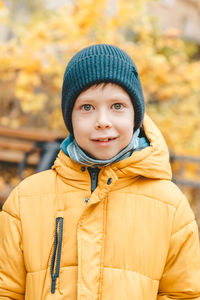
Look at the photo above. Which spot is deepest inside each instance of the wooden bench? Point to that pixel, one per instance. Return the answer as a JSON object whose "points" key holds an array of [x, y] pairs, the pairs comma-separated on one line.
{"points": [[14, 146], [14, 143]]}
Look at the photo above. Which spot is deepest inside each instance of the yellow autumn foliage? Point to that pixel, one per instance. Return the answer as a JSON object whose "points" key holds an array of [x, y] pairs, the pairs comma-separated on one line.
{"points": [[33, 60]]}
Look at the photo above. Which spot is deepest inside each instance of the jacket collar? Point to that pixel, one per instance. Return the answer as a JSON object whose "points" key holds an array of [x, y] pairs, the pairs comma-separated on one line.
{"points": [[151, 162]]}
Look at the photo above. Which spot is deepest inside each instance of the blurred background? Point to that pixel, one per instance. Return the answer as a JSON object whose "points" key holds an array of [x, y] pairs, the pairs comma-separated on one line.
{"points": [[37, 39]]}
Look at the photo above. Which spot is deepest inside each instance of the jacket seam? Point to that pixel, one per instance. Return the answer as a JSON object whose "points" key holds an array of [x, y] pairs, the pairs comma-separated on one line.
{"points": [[111, 268], [189, 223], [103, 249], [38, 271], [175, 213], [164, 202], [50, 193], [142, 195], [15, 217]]}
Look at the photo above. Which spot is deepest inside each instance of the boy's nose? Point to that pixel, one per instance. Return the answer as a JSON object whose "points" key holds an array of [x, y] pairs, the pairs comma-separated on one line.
{"points": [[103, 122]]}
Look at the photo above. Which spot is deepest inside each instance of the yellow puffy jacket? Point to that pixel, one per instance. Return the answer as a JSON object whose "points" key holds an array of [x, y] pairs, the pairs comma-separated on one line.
{"points": [[135, 238]]}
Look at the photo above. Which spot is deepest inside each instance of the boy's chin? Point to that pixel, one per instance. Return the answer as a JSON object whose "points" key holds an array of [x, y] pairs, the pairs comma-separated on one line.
{"points": [[100, 156]]}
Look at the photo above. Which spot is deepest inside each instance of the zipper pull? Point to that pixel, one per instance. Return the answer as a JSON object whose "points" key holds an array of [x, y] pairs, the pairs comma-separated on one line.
{"points": [[53, 283]]}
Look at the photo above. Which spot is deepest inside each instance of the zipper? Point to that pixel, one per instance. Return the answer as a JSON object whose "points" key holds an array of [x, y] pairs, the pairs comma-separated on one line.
{"points": [[94, 172], [56, 257]]}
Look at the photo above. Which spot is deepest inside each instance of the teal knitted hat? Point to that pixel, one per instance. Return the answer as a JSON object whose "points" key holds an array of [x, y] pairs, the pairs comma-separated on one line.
{"points": [[96, 64]]}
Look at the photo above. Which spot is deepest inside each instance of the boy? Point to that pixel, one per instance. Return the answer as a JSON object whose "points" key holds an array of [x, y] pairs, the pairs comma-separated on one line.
{"points": [[106, 222]]}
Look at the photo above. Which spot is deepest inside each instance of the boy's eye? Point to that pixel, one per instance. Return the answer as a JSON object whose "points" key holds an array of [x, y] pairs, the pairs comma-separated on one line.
{"points": [[87, 107], [117, 106]]}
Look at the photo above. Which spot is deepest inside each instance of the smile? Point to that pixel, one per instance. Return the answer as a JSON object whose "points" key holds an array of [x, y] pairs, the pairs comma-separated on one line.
{"points": [[104, 139]]}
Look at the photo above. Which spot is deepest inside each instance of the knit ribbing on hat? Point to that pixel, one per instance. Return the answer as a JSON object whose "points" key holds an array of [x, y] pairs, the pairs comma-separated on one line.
{"points": [[97, 64]]}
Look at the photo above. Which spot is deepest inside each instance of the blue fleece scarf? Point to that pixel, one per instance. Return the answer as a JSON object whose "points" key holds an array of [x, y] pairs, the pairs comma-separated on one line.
{"points": [[70, 147]]}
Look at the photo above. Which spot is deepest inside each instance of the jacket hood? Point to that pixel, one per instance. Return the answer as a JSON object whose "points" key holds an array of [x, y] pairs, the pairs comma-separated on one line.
{"points": [[151, 162]]}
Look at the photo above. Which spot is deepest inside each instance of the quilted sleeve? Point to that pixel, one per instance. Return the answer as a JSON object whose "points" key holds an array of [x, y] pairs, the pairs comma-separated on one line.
{"points": [[12, 269], [181, 275]]}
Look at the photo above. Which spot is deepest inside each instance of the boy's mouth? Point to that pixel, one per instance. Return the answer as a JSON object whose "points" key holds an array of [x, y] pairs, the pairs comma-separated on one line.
{"points": [[104, 139]]}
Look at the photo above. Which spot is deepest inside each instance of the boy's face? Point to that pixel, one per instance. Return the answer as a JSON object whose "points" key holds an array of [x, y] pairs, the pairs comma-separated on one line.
{"points": [[103, 120]]}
